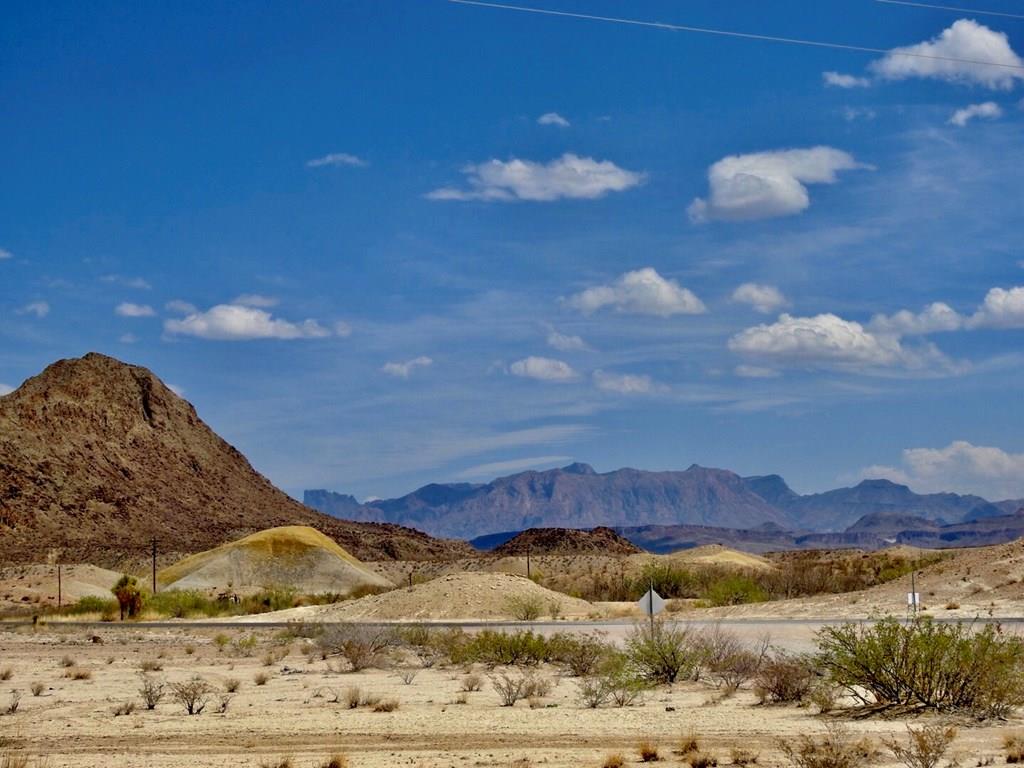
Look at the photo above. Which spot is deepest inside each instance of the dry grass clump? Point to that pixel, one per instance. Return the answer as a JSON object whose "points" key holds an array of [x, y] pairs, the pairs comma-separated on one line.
{"points": [[37, 688], [386, 705], [648, 751], [67, 661], [232, 684], [12, 704], [284, 762], [78, 673], [739, 756], [836, 749], [336, 761], [151, 665], [192, 694], [472, 682], [1013, 745], [689, 744], [126, 708], [6, 673], [614, 760], [260, 678], [509, 689], [702, 760]]}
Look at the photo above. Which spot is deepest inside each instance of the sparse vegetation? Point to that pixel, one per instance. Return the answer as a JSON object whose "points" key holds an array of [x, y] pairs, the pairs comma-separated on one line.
{"points": [[128, 595], [1013, 747], [192, 694], [926, 746], [648, 751], [525, 607], [232, 684], [661, 653], [12, 703], [151, 690], [472, 682], [386, 705], [37, 688], [785, 679], [836, 749], [261, 678], [614, 760], [361, 646], [509, 689]]}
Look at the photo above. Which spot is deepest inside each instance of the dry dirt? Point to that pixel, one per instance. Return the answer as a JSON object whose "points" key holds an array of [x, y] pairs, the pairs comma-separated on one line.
{"points": [[71, 724]]}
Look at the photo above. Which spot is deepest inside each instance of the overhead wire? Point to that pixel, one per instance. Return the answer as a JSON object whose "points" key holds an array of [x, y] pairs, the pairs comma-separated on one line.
{"points": [[732, 33], [953, 9]]}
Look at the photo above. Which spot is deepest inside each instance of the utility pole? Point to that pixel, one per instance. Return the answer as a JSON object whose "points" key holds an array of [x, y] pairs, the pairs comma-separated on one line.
{"points": [[913, 592], [154, 565], [59, 591], [528, 561]]}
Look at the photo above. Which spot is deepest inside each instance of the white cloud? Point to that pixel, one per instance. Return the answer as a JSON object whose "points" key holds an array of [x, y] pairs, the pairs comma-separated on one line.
{"points": [[402, 370], [336, 159], [765, 185], [987, 110], [624, 383], [5, 254], [180, 307], [960, 466], [829, 340], [127, 309], [852, 114], [127, 282], [569, 176], [256, 300], [128, 338], [502, 468], [755, 372], [640, 292], [553, 118], [542, 369], [934, 318], [342, 329], [37, 308], [763, 298], [841, 80], [1002, 308], [231, 322], [5, 389], [566, 343], [965, 40]]}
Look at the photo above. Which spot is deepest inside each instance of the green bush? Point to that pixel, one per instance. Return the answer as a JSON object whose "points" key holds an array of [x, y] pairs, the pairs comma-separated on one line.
{"points": [[662, 653], [92, 604], [928, 665], [734, 589]]}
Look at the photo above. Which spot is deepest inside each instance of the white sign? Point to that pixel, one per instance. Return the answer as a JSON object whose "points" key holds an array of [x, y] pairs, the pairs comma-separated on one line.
{"points": [[914, 599], [652, 603]]}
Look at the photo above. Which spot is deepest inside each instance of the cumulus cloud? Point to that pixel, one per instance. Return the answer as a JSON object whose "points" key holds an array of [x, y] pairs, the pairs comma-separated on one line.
{"points": [[232, 322], [1002, 308], [624, 383], [841, 80], [402, 370], [950, 57], [336, 159], [565, 342], [5, 389], [987, 110], [763, 298], [553, 118], [542, 369], [934, 318], [765, 185], [256, 300], [37, 308], [755, 372], [960, 466], [829, 340], [640, 292], [568, 176], [127, 309]]}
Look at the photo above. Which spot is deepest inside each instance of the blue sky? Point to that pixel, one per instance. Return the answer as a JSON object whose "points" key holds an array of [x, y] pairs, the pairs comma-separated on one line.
{"points": [[379, 244]]}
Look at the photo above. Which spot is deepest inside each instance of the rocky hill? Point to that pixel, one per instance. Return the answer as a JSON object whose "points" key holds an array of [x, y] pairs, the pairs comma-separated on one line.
{"points": [[567, 541], [97, 457]]}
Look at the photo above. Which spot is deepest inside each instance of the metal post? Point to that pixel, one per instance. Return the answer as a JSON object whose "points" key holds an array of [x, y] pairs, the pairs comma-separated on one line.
{"points": [[650, 605], [60, 595], [913, 592], [154, 565], [528, 561]]}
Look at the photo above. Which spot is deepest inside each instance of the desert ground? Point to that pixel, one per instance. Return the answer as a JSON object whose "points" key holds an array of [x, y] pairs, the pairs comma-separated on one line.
{"points": [[300, 712]]}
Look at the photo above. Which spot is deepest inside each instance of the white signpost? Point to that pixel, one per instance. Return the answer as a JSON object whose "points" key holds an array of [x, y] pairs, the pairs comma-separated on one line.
{"points": [[652, 604]]}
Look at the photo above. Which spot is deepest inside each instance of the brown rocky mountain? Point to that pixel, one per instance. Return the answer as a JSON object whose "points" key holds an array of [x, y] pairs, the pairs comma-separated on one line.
{"points": [[567, 541], [97, 457]]}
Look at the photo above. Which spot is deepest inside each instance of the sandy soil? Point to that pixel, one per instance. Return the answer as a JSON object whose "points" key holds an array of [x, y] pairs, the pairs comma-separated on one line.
{"points": [[72, 722]]}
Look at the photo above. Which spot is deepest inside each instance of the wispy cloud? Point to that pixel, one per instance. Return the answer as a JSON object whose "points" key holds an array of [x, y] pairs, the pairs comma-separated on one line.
{"points": [[625, 383], [402, 370], [256, 300], [567, 177], [127, 309], [337, 159], [127, 282], [840, 80], [566, 342], [553, 118], [987, 110], [37, 308], [501, 468], [5, 254]]}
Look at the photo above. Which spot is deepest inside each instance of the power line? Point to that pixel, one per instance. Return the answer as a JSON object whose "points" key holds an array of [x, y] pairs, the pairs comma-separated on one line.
{"points": [[954, 9], [730, 33]]}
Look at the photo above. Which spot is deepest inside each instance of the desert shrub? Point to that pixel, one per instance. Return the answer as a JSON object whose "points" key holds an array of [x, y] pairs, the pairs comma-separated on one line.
{"points": [[361, 646], [614, 760], [615, 680], [232, 684], [662, 653], [525, 607], [12, 703], [126, 708], [537, 687], [580, 654], [243, 646], [6, 673], [193, 694], [785, 679], [386, 705], [221, 641], [261, 678], [471, 682], [78, 673], [91, 604], [735, 589], [740, 756], [223, 702], [407, 676], [1013, 746], [925, 747], [128, 595], [335, 761], [702, 760], [648, 751], [37, 688], [729, 662], [507, 648], [67, 661], [593, 691], [353, 697], [689, 744], [836, 749], [509, 689], [925, 664], [151, 690], [284, 762], [15, 760], [151, 665]]}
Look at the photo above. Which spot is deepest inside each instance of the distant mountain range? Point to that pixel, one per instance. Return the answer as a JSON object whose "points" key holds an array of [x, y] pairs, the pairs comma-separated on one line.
{"points": [[699, 497]]}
